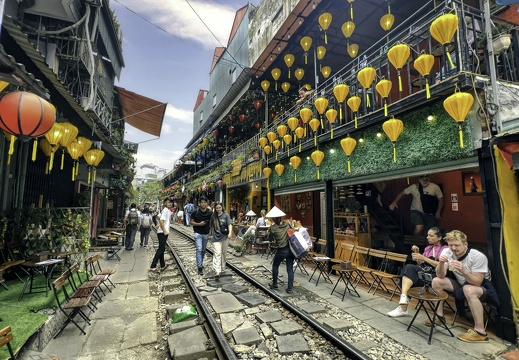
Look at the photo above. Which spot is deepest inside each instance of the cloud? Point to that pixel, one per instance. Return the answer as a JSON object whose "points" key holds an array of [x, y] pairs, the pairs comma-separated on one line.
{"points": [[179, 19]]}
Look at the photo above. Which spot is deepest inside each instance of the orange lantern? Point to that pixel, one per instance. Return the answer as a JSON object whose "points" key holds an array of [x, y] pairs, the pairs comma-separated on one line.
{"points": [[325, 19], [276, 73], [314, 124], [397, 56], [317, 157], [285, 86], [299, 134], [289, 60], [262, 141], [348, 144], [292, 123], [321, 104], [423, 64], [393, 128], [458, 106], [442, 30], [354, 104], [306, 43], [271, 135], [347, 29], [383, 88], [331, 115], [295, 161], [366, 76], [341, 91], [353, 50]]}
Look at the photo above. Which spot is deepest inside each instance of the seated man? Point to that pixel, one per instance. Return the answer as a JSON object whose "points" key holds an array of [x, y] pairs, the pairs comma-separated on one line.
{"points": [[470, 268]]}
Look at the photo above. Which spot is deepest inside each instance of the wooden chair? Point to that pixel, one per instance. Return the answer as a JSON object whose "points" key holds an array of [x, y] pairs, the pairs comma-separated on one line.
{"points": [[70, 307], [338, 259], [6, 336], [346, 275], [375, 254], [380, 275], [361, 261], [98, 273], [83, 288]]}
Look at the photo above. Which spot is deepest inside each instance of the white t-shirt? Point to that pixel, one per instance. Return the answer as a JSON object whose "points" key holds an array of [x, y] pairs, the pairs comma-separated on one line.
{"points": [[128, 213], [165, 216], [430, 189], [475, 261]]}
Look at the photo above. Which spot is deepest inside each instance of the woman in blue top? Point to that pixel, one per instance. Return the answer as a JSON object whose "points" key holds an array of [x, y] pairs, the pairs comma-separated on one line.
{"points": [[220, 222]]}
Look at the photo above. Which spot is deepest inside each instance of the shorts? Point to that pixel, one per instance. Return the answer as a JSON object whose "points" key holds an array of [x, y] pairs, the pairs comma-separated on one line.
{"points": [[427, 220]]}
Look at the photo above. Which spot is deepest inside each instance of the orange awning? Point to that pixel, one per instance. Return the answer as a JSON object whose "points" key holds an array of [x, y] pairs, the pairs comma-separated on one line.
{"points": [[142, 112]]}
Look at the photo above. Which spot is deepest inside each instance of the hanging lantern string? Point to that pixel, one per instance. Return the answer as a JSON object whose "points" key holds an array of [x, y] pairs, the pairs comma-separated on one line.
{"points": [[349, 165], [34, 149]]}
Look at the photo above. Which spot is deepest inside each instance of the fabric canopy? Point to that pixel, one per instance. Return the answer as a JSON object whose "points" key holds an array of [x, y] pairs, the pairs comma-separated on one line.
{"points": [[141, 112]]}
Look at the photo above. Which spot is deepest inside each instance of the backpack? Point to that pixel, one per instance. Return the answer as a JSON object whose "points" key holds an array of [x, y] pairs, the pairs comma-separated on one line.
{"points": [[429, 202], [190, 208], [146, 221], [133, 217]]}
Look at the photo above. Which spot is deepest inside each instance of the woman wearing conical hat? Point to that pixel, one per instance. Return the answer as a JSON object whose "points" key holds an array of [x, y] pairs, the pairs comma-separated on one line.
{"points": [[279, 237]]}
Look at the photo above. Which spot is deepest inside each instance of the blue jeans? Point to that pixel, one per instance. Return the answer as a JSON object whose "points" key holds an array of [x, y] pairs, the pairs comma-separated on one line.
{"points": [[201, 245], [131, 231], [283, 254]]}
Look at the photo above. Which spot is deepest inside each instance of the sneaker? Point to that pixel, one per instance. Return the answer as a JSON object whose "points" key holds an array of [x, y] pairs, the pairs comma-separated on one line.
{"points": [[200, 271], [404, 300], [437, 321], [473, 336], [398, 312], [273, 286], [289, 291]]}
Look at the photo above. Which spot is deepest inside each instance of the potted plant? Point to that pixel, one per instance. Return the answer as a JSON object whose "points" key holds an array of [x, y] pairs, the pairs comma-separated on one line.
{"points": [[501, 38]]}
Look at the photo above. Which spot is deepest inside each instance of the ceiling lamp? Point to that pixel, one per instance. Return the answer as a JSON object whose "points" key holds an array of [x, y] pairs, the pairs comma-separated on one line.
{"points": [[398, 56], [393, 128], [289, 60], [353, 50], [383, 88], [348, 144], [331, 115], [366, 76], [306, 43], [295, 161], [317, 157], [423, 64], [341, 91], [354, 104], [325, 19], [458, 106], [276, 73], [442, 30]]}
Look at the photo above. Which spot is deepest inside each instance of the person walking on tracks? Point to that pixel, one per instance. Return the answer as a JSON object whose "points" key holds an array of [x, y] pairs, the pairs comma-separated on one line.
{"points": [[201, 220], [146, 222], [162, 235], [132, 221], [220, 223], [279, 236]]}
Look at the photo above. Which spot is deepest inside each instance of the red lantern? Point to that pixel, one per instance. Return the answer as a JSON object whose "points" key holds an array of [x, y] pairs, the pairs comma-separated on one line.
{"points": [[272, 115], [242, 118], [257, 125], [215, 133], [26, 114], [231, 129], [257, 104]]}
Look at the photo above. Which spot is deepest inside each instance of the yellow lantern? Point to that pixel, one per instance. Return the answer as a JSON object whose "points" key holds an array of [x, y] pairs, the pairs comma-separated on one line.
{"points": [[458, 106], [11, 138], [305, 114], [265, 84], [99, 155], [292, 122], [321, 104], [397, 56], [393, 128], [423, 64], [321, 51], [205, 141], [69, 134], [276, 143], [295, 161], [285, 86], [280, 168], [267, 171], [282, 130], [74, 150], [267, 149], [289, 60], [325, 19], [366, 76], [271, 135], [262, 141], [54, 136], [306, 43], [351, 8], [340, 91], [85, 144], [331, 115], [354, 104], [347, 29], [90, 158], [442, 30], [299, 74], [353, 50], [276, 73], [386, 21], [317, 157], [383, 88], [299, 134], [326, 71], [348, 144], [287, 138], [314, 124]]}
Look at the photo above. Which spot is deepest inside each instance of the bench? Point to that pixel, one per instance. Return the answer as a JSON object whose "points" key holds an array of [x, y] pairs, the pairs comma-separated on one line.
{"points": [[5, 339]]}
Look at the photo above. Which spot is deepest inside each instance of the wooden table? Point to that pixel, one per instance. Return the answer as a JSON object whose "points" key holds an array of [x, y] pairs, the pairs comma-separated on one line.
{"points": [[426, 296], [321, 266], [46, 266]]}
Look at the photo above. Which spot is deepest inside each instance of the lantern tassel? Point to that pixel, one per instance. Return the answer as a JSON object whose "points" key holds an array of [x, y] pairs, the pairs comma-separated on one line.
{"points": [[9, 159], [399, 82], [88, 177], [289, 73], [288, 150], [340, 111], [349, 165], [315, 140], [332, 133], [385, 108], [47, 168], [394, 153], [73, 173], [77, 168], [95, 174], [34, 149], [461, 137], [318, 174], [299, 145], [450, 60], [276, 86], [11, 145], [322, 123], [351, 12], [295, 177], [51, 160], [276, 154], [62, 159], [355, 121], [306, 58], [427, 92], [325, 38], [368, 104]]}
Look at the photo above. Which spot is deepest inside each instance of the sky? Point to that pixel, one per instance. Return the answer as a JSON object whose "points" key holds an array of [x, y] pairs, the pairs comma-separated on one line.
{"points": [[170, 66]]}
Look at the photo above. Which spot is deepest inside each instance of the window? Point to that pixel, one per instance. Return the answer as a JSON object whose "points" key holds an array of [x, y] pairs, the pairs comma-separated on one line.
{"points": [[233, 75], [201, 116], [214, 100]]}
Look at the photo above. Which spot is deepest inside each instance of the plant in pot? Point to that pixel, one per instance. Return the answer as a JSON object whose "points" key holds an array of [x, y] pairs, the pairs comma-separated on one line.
{"points": [[248, 239], [501, 38]]}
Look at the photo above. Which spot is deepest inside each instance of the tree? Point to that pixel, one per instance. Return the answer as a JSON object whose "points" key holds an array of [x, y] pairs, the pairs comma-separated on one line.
{"points": [[148, 192]]}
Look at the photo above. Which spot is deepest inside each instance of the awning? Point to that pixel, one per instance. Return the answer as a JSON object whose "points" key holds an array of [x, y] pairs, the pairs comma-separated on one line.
{"points": [[141, 112]]}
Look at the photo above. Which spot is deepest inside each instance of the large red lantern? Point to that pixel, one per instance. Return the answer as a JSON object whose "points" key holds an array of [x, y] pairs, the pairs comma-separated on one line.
{"points": [[26, 114], [257, 125], [215, 133], [242, 118], [257, 104], [231, 129]]}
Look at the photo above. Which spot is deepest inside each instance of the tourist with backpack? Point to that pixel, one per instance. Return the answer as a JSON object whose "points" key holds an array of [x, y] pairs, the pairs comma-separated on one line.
{"points": [[188, 210], [132, 221], [201, 221], [146, 222]]}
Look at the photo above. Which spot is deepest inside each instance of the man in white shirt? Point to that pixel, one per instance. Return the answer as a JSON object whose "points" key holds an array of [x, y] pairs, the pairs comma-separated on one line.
{"points": [[162, 235]]}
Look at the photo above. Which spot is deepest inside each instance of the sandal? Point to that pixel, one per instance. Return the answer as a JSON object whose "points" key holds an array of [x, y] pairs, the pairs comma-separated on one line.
{"points": [[153, 269]]}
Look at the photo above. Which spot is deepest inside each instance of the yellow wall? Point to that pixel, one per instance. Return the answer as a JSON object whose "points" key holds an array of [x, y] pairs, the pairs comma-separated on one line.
{"points": [[508, 189]]}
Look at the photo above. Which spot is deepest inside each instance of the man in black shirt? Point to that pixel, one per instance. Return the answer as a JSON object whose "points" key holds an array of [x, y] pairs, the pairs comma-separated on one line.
{"points": [[200, 219]]}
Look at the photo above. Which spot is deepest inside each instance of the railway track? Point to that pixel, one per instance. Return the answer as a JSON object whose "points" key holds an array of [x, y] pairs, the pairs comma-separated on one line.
{"points": [[272, 327]]}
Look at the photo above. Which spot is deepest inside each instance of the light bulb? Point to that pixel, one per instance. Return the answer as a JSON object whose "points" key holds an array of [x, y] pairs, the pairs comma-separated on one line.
{"points": [[332, 151], [361, 140], [279, 48], [288, 36], [300, 21], [379, 135]]}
